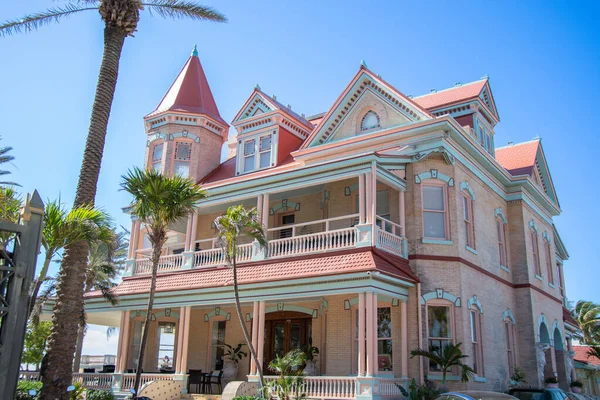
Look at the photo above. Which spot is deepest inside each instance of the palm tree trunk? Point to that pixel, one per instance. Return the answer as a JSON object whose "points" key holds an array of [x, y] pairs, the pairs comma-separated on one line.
{"points": [[79, 348], [238, 308], [69, 302], [38, 284], [138, 373]]}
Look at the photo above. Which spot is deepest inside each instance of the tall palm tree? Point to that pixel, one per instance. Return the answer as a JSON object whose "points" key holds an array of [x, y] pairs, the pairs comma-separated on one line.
{"points": [[6, 158], [450, 356], [231, 227], [62, 227], [587, 315], [10, 211], [158, 201], [105, 263], [120, 19]]}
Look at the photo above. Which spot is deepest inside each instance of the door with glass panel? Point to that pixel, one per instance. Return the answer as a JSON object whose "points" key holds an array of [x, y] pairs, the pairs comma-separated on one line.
{"points": [[285, 331]]}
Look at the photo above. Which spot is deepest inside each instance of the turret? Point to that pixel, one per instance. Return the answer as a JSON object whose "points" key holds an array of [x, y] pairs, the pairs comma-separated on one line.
{"points": [[186, 132]]}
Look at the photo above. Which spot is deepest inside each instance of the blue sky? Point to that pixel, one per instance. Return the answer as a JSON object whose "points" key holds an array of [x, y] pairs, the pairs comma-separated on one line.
{"points": [[543, 59]]}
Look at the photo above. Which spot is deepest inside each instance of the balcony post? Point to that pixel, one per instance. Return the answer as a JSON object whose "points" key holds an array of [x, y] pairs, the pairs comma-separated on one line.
{"points": [[361, 334], [183, 335], [190, 238], [255, 316], [361, 199], [123, 344], [194, 231], [402, 215], [133, 245], [265, 211], [188, 233], [375, 335], [404, 338], [373, 209]]}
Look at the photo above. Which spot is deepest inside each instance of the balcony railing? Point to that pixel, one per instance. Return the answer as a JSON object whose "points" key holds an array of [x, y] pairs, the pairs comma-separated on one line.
{"points": [[319, 236], [326, 387]]}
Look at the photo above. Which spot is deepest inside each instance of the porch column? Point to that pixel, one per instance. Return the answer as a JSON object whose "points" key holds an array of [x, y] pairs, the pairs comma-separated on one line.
{"points": [[261, 333], [188, 233], [186, 338], [404, 338], [370, 339], [255, 322], [570, 351], [375, 341], [133, 240], [180, 330], [369, 199], [402, 214], [265, 211], [194, 231], [123, 343], [361, 334], [361, 199], [373, 209]]}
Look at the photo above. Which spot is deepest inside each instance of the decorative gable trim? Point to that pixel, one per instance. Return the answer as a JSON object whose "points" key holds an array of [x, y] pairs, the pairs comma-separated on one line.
{"points": [[434, 174], [171, 137], [422, 155]]}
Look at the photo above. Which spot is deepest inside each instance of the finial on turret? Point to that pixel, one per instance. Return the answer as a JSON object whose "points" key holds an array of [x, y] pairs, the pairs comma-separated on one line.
{"points": [[195, 51], [363, 64]]}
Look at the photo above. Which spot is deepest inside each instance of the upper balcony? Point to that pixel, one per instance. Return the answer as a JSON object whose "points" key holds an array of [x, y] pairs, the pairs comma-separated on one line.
{"points": [[309, 220]]}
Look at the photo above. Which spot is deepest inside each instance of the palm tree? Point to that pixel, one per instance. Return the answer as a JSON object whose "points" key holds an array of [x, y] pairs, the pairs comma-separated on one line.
{"points": [[158, 201], [450, 356], [231, 227], [587, 315], [10, 211], [62, 227], [120, 19], [5, 158], [105, 262], [290, 381], [594, 351]]}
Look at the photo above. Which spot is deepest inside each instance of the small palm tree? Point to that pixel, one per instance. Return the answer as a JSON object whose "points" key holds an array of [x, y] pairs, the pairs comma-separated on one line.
{"points": [[450, 356], [231, 227], [6, 158], [10, 211], [62, 227], [290, 382], [587, 315], [158, 201]]}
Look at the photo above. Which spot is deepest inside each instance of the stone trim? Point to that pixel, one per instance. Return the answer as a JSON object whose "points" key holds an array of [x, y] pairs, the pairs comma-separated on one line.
{"points": [[475, 300], [440, 294], [167, 312], [434, 174], [216, 313], [500, 214], [508, 314], [466, 187]]}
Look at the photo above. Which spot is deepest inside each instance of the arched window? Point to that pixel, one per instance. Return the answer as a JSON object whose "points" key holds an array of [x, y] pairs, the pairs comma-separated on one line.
{"points": [[440, 327], [369, 121], [477, 349], [435, 210], [535, 249], [183, 155]]}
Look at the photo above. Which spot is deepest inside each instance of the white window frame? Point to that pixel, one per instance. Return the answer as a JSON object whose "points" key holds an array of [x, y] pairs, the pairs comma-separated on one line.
{"points": [[436, 183], [476, 335], [451, 339], [182, 160], [157, 161], [257, 152]]}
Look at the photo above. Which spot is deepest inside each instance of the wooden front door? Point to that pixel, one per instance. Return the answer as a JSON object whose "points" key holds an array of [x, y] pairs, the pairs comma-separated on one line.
{"points": [[285, 331]]}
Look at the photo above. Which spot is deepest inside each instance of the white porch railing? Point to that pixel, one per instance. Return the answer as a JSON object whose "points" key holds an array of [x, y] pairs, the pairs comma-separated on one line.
{"points": [[94, 381], [390, 237], [388, 388], [326, 387], [171, 262], [129, 379]]}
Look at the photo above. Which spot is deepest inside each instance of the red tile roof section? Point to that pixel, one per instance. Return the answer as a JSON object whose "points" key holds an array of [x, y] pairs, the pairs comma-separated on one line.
{"points": [[450, 96], [190, 93], [582, 356], [227, 170], [271, 271], [518, 159]]}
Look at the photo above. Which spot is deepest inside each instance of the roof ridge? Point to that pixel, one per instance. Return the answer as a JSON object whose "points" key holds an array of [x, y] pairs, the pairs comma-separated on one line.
{"points": [[451, 88], [519, 144]]}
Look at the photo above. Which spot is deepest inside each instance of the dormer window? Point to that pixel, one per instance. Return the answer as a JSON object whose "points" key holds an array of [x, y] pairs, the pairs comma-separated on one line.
{"points": [[369, 121], [157, 152], [183, 154], [262, 146]]}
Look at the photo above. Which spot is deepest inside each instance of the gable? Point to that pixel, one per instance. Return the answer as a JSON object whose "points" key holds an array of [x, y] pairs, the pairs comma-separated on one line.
{"points": [[487, 99], [365, 92], [541, 168], [257, 104]]}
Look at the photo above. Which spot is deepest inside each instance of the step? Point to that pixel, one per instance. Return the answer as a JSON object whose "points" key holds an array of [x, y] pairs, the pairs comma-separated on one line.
{"points": [[201, 396]]}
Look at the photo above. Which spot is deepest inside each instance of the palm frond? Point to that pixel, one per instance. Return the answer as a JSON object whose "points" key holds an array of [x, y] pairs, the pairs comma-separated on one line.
{"points": [[47, 292], [176, 9], [238, 222], [34, 21]]}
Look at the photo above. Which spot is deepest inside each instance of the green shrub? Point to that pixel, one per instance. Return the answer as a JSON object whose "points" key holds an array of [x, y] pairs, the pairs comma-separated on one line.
{"points": [[23, 388], [247, 398], [92, 394]]}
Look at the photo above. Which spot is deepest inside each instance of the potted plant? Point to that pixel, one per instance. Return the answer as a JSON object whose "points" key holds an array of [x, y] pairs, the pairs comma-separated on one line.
{"points": [[311, 363], [551, 382], [576, 387], [233, 355]]}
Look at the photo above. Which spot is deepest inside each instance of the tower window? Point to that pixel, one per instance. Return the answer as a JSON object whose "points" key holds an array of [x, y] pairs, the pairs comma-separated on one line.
{"points": [[157, 152], [249, 158], [369, 121], [183, 154], [257, 153], [265, 151]]}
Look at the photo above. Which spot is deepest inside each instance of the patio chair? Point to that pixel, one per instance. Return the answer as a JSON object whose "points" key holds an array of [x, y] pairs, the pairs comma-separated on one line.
{"points": [[195, 378], [206, 378], [217, 380]]}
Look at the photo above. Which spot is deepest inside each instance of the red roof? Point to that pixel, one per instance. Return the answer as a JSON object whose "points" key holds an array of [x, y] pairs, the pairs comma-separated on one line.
{"points": [[315, 265], [226, 170], [582, 356], [518, 159], [452, 95], [190, 93]]}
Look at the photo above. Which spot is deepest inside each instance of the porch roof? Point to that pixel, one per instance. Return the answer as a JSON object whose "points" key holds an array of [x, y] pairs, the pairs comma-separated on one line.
{"points": [[309, 266]]}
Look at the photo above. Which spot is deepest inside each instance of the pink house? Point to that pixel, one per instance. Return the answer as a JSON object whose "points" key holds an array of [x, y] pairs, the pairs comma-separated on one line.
{"points": [[394, 223]]}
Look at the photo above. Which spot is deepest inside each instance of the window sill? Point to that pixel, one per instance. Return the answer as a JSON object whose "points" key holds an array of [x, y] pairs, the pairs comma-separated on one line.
{"points": [[438, 377], [436, 241], [551, 285], [472, 250], [482, 379], [502, 267], [539, 277]]}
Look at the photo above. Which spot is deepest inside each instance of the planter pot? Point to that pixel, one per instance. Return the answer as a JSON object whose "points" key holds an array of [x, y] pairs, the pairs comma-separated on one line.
{"points": [[230, 369], [552, 385], [576, 389], [311, 368]]}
